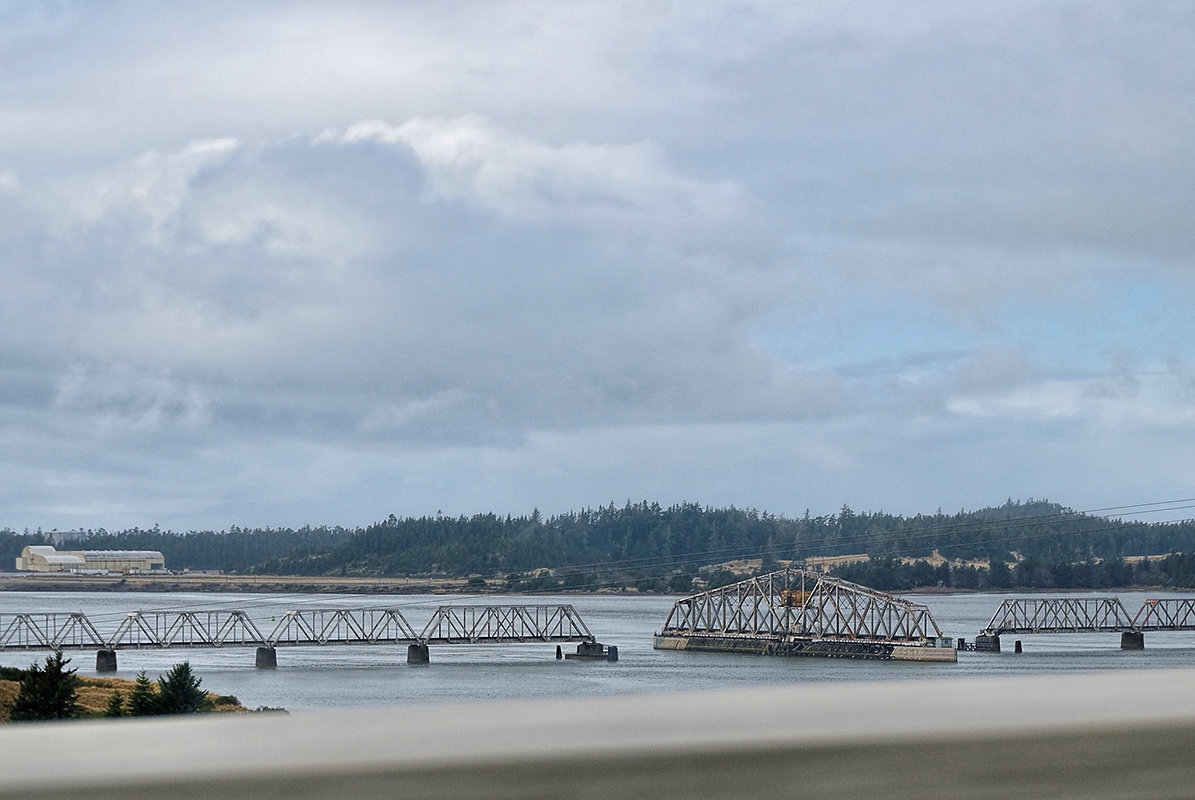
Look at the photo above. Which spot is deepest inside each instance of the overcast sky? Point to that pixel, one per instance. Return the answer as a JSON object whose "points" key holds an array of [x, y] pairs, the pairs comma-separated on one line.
{"points": [[288, 263]]}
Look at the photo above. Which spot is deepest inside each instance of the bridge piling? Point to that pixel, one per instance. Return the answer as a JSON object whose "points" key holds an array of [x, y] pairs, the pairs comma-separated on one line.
{"points": [[1132, 640], [590, 651], [267, 658], [987, 643], [418, 654], [105, 661]]}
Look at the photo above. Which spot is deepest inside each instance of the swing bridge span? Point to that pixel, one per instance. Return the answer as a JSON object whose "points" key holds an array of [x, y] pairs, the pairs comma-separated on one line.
{"points": [[795, 612], [455, 625]]}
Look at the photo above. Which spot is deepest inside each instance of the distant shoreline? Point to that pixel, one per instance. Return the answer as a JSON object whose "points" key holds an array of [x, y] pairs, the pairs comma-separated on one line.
{"points": [[193, 582], [303, 584]]}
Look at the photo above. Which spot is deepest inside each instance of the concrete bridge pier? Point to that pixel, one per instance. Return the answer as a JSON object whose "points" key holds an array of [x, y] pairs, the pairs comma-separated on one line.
{"points": [[418, 654], [267, 658], [1132, 640], [987, 643], [593, 651], [105, 661]]}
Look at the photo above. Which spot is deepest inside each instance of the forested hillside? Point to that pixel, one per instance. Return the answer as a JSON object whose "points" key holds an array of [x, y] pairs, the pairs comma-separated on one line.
{"points": [[234, 550], [658, 548]]}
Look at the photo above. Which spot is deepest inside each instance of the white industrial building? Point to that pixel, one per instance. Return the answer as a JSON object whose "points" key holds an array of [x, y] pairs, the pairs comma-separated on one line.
{"points": [[44, 558]]}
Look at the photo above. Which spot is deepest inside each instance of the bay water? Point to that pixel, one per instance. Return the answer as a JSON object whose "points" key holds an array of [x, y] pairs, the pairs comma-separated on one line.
{"points": [[309, 678]]}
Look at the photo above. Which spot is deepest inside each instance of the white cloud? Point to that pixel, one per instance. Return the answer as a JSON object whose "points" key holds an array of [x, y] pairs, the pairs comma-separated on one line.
{"points": [[470, 158], [151, 188], [1146, 398]]}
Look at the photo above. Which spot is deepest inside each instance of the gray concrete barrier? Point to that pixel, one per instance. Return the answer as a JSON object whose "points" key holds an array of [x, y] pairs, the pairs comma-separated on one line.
{"points": [[1123, 734]]}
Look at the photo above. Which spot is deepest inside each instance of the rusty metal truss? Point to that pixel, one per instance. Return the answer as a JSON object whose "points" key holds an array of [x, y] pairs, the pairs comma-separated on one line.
{"points": [[794, 603], [1172, 614], [342, 626], [476, 624], [1060, 615]]}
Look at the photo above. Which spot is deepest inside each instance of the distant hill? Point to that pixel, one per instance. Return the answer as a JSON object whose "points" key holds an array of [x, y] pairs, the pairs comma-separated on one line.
{"points": [[660, 548]]}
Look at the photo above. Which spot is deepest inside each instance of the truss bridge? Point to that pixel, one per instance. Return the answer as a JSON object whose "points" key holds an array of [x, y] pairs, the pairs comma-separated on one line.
{"points": [[796, 612], [454, 625], [1086, 615], [473, 624]]}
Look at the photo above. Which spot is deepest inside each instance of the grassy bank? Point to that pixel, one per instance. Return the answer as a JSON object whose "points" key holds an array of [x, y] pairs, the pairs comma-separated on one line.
{"points": [[94, 693]]}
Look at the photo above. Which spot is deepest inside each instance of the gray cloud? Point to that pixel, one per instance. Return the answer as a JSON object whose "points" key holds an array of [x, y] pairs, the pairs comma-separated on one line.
{"points": [[553, 254]]}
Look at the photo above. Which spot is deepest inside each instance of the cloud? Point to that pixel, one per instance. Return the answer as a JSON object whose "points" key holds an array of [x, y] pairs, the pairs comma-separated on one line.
{"points": [[471, 159], [553, 285], [151, 189], [118, 402], [1144, 398], [732, 252]]}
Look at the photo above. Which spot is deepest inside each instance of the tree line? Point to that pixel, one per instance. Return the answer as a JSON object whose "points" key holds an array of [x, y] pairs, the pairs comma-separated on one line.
{"points": [[658, 548], [1176, 570]]}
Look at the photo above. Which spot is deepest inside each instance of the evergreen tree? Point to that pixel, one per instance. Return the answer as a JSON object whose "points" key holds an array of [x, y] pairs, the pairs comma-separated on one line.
{"points": [[999, 573], [115, 705], [143, 700], [47, 692], [179, 692]]}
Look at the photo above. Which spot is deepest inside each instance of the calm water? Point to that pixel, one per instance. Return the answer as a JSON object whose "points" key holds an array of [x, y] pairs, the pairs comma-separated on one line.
{"points": [[323, 677]]}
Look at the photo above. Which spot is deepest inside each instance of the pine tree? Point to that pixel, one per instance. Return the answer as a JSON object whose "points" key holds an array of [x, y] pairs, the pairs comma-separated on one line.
{"points": [[179, 692], [143, 700], [47, 692], [115, 705]]}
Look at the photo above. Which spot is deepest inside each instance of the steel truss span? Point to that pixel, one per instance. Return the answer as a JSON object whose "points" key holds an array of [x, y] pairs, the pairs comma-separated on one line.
{"points": [[141, 629], [309, 626], [1089, 615], [794, 603], [1060, 615], [68, 631], [472, 624], [342, 626], [1171, 614]]}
